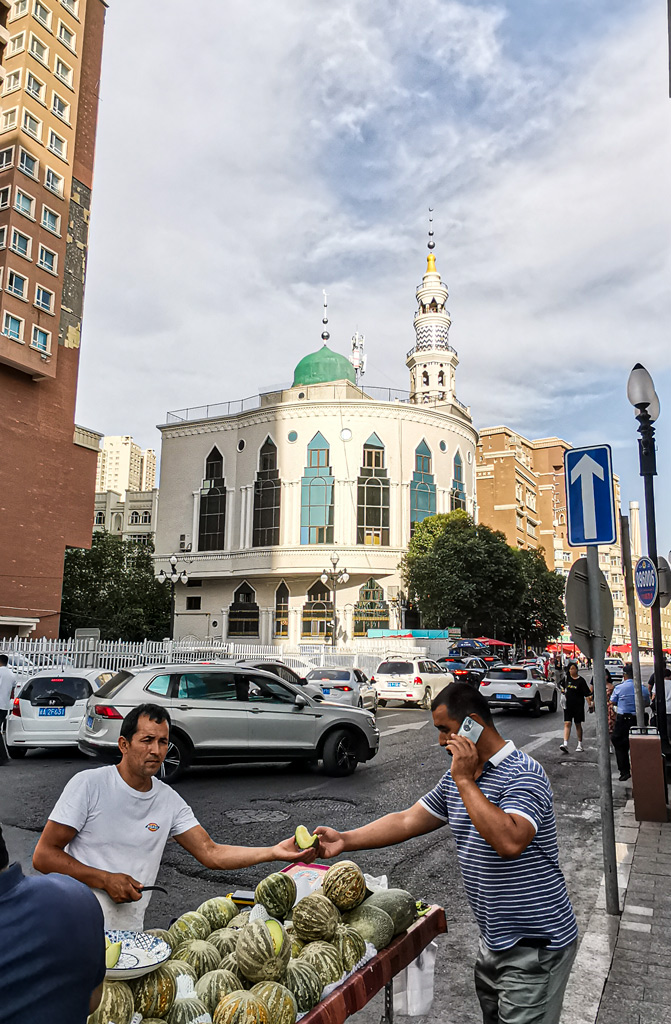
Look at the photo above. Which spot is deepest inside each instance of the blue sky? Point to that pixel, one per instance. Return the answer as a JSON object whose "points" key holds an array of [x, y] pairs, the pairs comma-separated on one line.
{"points": [[264, 152]]}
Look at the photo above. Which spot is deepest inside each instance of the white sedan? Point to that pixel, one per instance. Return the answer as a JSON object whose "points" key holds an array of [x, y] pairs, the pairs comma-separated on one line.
{"points": [[519, 686], [346, 686]]}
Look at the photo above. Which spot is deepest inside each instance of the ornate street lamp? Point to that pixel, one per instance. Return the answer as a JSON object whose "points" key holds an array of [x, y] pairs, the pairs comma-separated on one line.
{"points": [[335, 578], [642, 395], [174, 577]]}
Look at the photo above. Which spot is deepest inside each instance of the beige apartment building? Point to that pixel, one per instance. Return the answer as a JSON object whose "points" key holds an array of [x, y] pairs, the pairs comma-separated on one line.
{"points": [[124, 466]]}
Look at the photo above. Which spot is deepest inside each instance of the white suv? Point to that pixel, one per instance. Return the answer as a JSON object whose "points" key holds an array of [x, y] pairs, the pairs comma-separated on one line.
{"points": [[412, 680]]}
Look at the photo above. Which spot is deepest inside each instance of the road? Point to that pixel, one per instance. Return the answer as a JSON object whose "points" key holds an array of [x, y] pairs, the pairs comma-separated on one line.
{"points": [[261, 804]]}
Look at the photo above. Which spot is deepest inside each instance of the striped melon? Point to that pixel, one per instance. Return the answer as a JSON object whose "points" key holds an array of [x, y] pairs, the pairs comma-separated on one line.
{"points": [[218, 911], [189, 1011], [263, 951], [315, 917], [179, 969], [154, 993], [296, 943], [230, 963], [280, 1001], [160, 933], [225, 939], [214, 985], [326, 961], [345, 885], [373, 924], [191, 925], [304, 983], [277, 893], [240, 920], [350, 946], [398, 903], [241, 1008], [202, 956], [116, 1004]]}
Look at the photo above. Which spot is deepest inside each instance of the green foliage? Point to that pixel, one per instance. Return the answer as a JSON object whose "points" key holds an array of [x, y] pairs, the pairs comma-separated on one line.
{"points": [[540, 615], [112, 587]]}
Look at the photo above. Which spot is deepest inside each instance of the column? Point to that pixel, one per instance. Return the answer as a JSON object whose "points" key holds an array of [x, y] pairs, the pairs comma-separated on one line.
{"points": [[295, 625], [194, 521], [295, 533], [250, 515], [394, 517], [285, 513], [243, 517], [224, 623], [230, 517]]}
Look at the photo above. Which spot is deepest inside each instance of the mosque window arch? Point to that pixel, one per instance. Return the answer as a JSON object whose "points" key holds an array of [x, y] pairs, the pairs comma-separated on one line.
{"points": [[212, 518], [267, 498], [371, 611], [373, 496], [458, 496], [282, 610], [99, 519], [317, 611], [425, 378], [146, 518], [422, 487], [317, 494], [243, 612], [134, 518], [441, 378]]}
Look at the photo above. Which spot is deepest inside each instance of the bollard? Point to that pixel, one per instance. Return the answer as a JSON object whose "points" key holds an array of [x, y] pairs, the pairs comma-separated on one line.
{"points": [[647, 775]]}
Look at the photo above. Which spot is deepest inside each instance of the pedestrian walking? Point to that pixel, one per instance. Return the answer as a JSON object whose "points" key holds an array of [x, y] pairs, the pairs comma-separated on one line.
{"points": [[575, 689], [7, 684], [623, 698], [498, 803], [110, 826], [612, 713]]}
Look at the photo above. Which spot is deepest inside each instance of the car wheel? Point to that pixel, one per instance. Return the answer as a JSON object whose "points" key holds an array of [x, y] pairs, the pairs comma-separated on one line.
{"points": [[536, 706], [176, 761], [341, 755], [381, 703], [16, 752], [360, 703], [552, 706], [426, 700]]}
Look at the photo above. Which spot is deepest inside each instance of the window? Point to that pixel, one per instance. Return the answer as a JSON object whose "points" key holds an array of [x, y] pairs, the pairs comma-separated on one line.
{"points": [[99, 519], [60, 108], [458, 495], [54, 182], [34, 86], [12, 327], [32, 124], [50, 220], [42, 13], [47, 259], [57, 145], [146, 519], [39, 50], [193, 602], [5, 193], [16, 284], [371, 610], [24, 203], [243, 613], [28, 164], [3, 237], [42, 341], [63, 72], [317, 493], [159, 686], [10, 118], [17, 43], [12, 82], [134, 518], [531, 500], [71, 5], [21, 243], [282, 610], [422, 487], [66, 35], [317, 611], [519, 493], [44, 299], [19, 7], [267, 498], [373, 496], [212, 522], [6, 157]]}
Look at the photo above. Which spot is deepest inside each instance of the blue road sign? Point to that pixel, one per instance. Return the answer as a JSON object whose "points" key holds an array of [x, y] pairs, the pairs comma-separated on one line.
{"points": [[646, 581], [590, 501]]}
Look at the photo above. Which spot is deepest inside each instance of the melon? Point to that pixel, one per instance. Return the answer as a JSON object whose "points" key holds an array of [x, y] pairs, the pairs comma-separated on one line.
{"points": [[304, 983], [296, 943], [160, 933], [191, 925], [350, 946], [280, 1001], [263, 951], [315, 917], [187, 1008], [345, 885], [214, 985], [154, 993], [230, 963], [277, 893], [240, 920], [225, 939], [326, 961], [373, 924], [241, 1008], [179, 969], [152, 1020], [202, 956], [398, 903], [218, 911], [116, 1004], [303, 839]]}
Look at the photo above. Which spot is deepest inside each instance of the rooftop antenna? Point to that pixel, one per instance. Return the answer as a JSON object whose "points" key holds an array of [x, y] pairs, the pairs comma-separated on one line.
{"points": [[325, 320], [357, 358]]}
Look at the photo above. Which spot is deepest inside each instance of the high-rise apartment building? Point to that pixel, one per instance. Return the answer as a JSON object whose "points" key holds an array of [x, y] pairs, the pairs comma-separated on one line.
{"points": [[124, 466], [50, 60]]}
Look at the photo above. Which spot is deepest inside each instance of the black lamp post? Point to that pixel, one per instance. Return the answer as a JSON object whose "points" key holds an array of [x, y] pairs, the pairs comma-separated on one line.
{"points": [[335, 578], [642, 395], [174, 578]]}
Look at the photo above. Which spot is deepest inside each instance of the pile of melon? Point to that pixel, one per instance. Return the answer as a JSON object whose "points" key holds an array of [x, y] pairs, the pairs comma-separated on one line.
{"points": [[227, 969]]}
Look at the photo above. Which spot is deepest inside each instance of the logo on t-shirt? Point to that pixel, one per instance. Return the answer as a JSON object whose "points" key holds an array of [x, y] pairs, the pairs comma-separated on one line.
{"points": [[152, 826]]}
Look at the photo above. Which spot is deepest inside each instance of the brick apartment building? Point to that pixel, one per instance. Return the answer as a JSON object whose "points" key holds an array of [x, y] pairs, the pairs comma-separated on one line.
{"points": [[50, 61]]}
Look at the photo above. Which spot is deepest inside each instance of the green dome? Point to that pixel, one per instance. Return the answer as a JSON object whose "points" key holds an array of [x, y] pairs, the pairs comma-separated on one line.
{"points": [[322, 367]]}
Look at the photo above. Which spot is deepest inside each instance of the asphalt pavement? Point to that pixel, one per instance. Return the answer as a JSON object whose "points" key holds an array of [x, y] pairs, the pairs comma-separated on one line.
{"points": [[260, 804]]}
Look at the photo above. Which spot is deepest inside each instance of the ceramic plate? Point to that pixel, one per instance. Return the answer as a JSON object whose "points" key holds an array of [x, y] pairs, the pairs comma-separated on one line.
{"points": [[140, 954]]}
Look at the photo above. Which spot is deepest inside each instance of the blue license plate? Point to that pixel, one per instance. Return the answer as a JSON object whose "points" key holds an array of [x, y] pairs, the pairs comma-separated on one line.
{"points": [[326, 690], [395, 684], [89, 722], [503, 696], [51, 712]]}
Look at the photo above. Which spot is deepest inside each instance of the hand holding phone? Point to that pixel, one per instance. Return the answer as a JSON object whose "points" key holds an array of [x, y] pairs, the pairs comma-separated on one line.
{"points": [[471, 729]]}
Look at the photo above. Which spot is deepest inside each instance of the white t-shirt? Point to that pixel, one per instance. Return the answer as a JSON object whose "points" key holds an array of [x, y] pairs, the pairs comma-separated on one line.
{"points": [[120, 829], [7, 680]]}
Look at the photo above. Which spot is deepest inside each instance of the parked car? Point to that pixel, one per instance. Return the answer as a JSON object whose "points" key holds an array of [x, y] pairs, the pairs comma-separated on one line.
{"points": [[519, 686], [616, 668], [225, 714], [412, 680], [285, 672], [345, 685], [48, 709], [465, 670]]}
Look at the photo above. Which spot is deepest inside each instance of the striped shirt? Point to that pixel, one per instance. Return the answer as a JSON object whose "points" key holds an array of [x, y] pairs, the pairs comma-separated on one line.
{"points": [[523, 898]]}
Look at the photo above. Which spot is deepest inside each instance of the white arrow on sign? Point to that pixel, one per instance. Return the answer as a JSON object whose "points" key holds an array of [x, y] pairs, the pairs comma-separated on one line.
{"points": [[586, 469]]}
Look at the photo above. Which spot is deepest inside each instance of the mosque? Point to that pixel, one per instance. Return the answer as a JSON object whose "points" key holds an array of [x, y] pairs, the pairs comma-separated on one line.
{"points": [[265, 501]]}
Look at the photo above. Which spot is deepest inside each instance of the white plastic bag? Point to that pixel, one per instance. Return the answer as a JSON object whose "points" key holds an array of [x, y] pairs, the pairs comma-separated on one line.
{"points": [[374, 884], [413, 987]]}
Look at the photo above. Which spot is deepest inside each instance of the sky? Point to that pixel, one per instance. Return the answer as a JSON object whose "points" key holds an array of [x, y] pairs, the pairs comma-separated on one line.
{"points": [[255, 154]]}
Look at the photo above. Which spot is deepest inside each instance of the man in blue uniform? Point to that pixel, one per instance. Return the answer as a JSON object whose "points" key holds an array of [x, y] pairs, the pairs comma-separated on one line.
{"points": [[624, 699]]}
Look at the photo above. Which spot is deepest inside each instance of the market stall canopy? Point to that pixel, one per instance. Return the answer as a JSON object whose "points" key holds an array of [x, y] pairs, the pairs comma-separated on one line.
{"points": [[492, 643]]}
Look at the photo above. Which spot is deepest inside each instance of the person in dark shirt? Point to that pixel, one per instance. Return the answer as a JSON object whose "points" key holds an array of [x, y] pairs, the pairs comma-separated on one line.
{"points": [[52, 947], [575, 689]]}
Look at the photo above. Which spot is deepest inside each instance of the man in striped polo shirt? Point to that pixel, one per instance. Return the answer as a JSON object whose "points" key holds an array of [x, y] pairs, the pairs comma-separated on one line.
{"points": [[498, 803]]}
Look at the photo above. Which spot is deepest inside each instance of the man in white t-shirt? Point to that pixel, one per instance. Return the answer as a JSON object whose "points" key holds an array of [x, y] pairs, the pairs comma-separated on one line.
{"points": [[110, 826]]}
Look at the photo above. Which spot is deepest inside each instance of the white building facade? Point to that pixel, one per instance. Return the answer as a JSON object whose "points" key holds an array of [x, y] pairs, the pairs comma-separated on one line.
{"points": [[131, 516]]}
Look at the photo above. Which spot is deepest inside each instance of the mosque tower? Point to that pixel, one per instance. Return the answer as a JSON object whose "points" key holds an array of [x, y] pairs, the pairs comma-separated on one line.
{"points": [[432, 362]]}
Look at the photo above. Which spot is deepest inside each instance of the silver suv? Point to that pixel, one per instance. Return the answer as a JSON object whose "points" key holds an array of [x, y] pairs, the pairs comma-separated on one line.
{"points": [[412, 680], [230, 714]]}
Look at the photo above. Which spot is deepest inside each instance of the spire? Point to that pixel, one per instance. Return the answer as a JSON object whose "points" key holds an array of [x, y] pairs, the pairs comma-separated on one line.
{"points": [[325, 320], [431, 258]]}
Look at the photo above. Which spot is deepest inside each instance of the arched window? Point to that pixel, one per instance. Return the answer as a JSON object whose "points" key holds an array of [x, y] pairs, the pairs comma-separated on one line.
{"points": [[373, 496], [422, 487], [118, 522], [99, 519], [282, 610], [134, 518], [317, 490], [243, 613], [212, 522], [267, 497], [146, 518], [458, 496], [371, 610], [317, 611], [441, 378], [425, 378]]}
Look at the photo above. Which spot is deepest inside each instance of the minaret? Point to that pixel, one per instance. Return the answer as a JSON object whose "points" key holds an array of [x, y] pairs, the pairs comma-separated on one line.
{"points": [[432, 362]]}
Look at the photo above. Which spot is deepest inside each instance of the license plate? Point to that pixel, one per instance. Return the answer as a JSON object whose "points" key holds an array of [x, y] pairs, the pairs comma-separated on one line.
{"points": [[503, 696], [395, 684], [326, 690], [89, 722], [51, 712]]}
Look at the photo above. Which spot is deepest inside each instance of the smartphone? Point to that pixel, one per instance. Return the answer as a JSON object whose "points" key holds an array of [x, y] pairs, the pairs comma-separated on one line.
{"points": [[470, 729]]}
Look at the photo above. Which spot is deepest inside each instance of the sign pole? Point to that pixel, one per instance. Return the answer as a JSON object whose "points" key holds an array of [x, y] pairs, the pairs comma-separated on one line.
{"points": [[603, 739], [633, 625]]}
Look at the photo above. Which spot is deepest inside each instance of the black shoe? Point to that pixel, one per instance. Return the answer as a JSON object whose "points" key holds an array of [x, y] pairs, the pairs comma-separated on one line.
{"points": [[624, 776]]}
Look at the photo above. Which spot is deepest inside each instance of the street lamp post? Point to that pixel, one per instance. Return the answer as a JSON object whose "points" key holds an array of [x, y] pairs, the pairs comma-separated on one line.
{"points": [[174, 578], [642, 395], [335, 578]]}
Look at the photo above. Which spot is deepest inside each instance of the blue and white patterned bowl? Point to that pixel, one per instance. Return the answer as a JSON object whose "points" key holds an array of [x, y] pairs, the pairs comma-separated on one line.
{"points": [[140, 954]]}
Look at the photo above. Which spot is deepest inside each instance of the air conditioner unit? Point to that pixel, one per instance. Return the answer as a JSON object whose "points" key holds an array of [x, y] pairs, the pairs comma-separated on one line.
{"points": [[182, 542]]}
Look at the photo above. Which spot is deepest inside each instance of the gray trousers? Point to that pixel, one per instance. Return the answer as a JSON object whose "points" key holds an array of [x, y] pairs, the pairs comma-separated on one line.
{"points": [[522, 985]]}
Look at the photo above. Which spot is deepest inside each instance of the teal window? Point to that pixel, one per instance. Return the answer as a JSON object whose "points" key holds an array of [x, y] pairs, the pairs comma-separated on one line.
{"points": [[371, 610], [373, 496], [282, 610], [458, 497], [267, 498], [318, 611], [212, 521], [317, 493], [422, 487]]}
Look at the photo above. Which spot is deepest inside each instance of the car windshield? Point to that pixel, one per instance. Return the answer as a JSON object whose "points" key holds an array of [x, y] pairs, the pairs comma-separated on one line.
{"points": [[56, 686], [452, 662], [111, 687], [329, 673], [508, 673], [396, 668]]}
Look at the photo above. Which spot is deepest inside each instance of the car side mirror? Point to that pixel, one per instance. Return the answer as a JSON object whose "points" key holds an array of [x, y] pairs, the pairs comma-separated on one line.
{"points": [[300, 701]]}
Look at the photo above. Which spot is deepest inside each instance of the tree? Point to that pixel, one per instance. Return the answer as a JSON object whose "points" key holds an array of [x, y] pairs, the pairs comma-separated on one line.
{"points": [[112, 587], [540, 612]]}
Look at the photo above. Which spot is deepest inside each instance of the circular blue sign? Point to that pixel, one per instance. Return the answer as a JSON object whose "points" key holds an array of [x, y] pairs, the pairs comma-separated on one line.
{"points": [[646, 581]]}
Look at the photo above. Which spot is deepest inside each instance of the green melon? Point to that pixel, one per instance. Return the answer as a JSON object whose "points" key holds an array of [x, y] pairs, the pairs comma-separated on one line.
{"points": [[189, 1010], [218, 911], [296, 943], [277, 893], [225, 939], [240, 920], [373, 924], [154, 993], [179, 969], [230, 963], [241, 1008], [304, 983], [191, 925], [314, 918], [263, 951], [345, 885], [214, 985], [280, 1001], [116, 1004], [202, 956], [160, 933], [398, 903], [350, 946], [326, 961]]}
